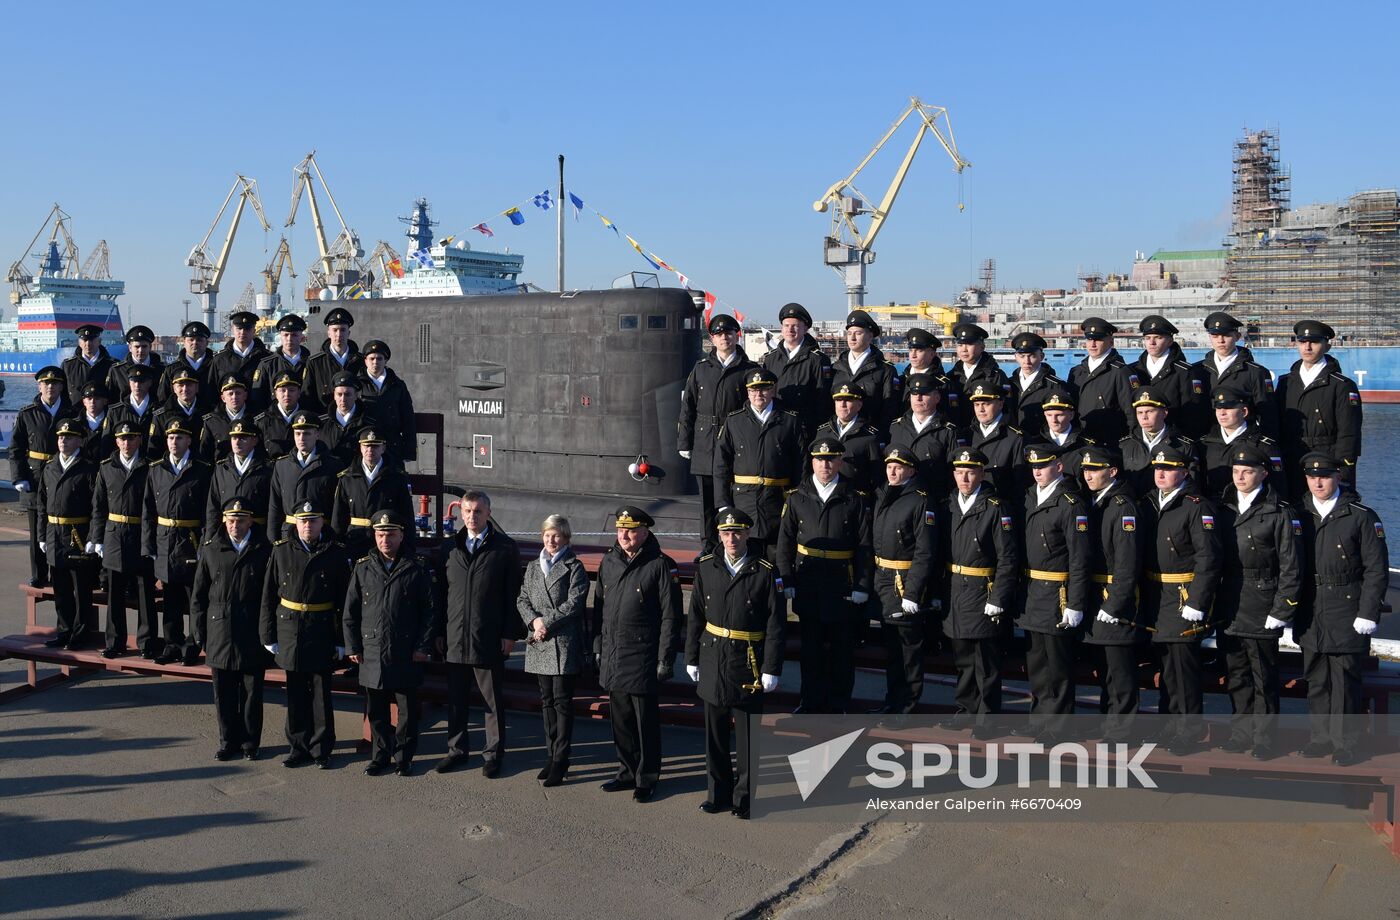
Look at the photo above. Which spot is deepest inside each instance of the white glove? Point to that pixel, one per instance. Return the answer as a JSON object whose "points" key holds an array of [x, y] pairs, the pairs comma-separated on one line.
{"points": [[991, 610], [769, 682], [1104, 617], [1071, 618], [272, 648], [693, 672], [789, 593], [23, 486], [340, 651], [97, 548], [1191, 614], [1274, 623], [908, 606], [89, 547], [43, 546], [858, 597], [1363, 626], [685, 454]]}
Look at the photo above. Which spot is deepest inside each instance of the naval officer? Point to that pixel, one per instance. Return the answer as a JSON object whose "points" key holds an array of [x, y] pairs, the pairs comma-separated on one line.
{"points": [[32, 444], [1320, 408], [65, 501]]}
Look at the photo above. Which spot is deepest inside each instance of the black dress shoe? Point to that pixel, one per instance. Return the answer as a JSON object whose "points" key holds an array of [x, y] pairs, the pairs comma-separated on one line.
{"points": [[1264, 752], [56, 642], [1183, 745], [191, 657], [323, 763], [376, 767], [741, 812], [1235, 746], [491, 767], [618, 784], [449, 763], [111, 652], [74, 644], [225, 754], [544, 771], [712, 808], [643, 793], [1317, 749], [556, 775], [297, 759], [149, 653], [250, 754], [405, 768], [168, 656], [1347, 757], [983, 732]]}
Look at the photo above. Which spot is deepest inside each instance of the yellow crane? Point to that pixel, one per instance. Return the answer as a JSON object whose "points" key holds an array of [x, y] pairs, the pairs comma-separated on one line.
{"points": [[847, 249], [269, 300], [338, 265], [940, 314], [208, 274]]}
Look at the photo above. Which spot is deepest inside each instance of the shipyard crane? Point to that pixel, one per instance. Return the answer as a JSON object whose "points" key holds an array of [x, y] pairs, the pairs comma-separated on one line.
{"points": [[386, 256], [207, 274], [269, 300], [945, 316], [53, 262], [338, 265], [98, 264], [846, 248]]}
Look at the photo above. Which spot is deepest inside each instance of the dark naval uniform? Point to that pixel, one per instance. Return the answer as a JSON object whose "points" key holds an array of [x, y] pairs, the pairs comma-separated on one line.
{"points": [[79, 371], [1137, 458], [191, 418], [119, 499], [1324, 416], [391, 404], [391, 616], [904, 531], [1004, 448], [1182, 559], [880, 381], [865, 449], [983, 568], [1114, 564], [302, 597], [1105, 398], [229, 363], [755, 463], [294, 484], [986, 373], [214, 443], [712, 391], [1025, 407], [318, 386], [637, 609], [65, 500], [225, 612], [144, 421], [98, 439], [170, 534], [932, 447], [1347, 559], [272, 367], [1172, 380], [342, 441], [1216, 457], [1058, 555], [734, 635], [275, 432], [207, 397], [32, 444], [804, 383], [824, 557], [1262, 579], [253, 484], [119, 376], [1252, 380], [357, 497]]}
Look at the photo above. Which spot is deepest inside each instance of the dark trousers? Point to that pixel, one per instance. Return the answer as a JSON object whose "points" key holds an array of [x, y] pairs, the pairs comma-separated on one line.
{"points": [[1335, 703], [904, 663], [119, 585], [636, 727], [1118, 688], [828, 664], [1181, 687], [1251, 667], [1049, 666], [72, 599], [310, 716], [557, 709], [175, 607], [708, 539], [238, 705], [460, 678], [727, 785], [384, 741], [38, 562], [978, 663]]}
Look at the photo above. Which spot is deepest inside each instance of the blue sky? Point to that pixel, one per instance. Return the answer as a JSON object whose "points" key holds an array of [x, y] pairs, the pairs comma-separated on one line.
{"points": [[705, 131]]}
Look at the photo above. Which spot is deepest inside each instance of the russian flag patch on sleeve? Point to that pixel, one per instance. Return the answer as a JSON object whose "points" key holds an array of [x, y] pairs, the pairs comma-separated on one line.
{"points": [[1081, 523], [929, 516], [1297, 527], [1354, 398], [1005, 523], [1380, 530], [1129, 523], [1208, 521]]}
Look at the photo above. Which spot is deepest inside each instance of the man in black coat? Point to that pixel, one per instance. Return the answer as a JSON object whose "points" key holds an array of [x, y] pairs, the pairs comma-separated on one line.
{"points": [[1033, 383], [135, 403], [983, 573], [32, 444], [862, 363], [1319, 408], [1153, 431], [390, 623], [194, 360], [801, 372], [714, 389], [928, 435], [225, 615], [973, 368], [243, 352], [176, 488], [274, 423], [1345, 548], [1104, 390], [118, 501], [288, 360], [338, 355], [244, 474], [1056, 547], [138, 354], [1112, 631], [1182, 559], [344, 420], [904, 534], [1231, 430], [1261, 537], [372, 483], [922, 347], [65, 501], [182, 406], [482, 574], [387, 399], [637, 617], [734, 651], [1001, 442], [1162, 364], [865, 444], [308, 473], [1061, 429], [214, 430], [90, 362], [758, 457], [302, 598], [97, 422], [827, 568], [1229, 365]]}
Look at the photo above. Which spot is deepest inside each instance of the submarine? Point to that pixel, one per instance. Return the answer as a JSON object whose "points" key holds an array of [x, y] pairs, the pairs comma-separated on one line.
{"points": [[552, 401]]}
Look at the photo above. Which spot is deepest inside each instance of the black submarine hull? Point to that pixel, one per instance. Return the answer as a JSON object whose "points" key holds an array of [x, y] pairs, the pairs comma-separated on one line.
{"points": [[547, 398]]}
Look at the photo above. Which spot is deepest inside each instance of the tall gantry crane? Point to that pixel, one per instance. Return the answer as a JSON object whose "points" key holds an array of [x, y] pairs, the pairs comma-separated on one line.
{"points": [[269, 300], [338, 264], [847, 248], [386, 256], [208, 274], [62, 263]]}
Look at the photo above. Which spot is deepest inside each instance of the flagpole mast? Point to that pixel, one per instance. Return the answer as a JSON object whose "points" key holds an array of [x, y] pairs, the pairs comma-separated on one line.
{"points": [[559, 223]]}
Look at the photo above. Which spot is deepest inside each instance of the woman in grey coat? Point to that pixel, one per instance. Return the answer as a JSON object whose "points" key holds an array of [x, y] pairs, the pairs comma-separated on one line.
{"points": [[552, 604]]}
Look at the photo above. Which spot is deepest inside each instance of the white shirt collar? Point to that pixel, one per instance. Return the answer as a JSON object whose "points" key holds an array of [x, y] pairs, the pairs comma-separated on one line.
{"points": [[241, 466], [139, 407], [345, 420], [93, 360], [1221, 364], [1152, 440], [763, 416], [1101, 494], [128, 465], [1028, 379], [196, 364], [1044, 492], [1245, 499], [293, 360], [371, 473], [286, 416], [1229, 437], [188, 410], [1164, 498], [735, 567], [1062, 437], [241, 545], [792, 352], [303, 460], [339, 358], [1155, 365], [725, 362], [988, 429], [94, 422], [824, 491], [919, 426], [234, 418], [1309, 374], [378, 381], [856, 360], [1094, 363], [965, 502], [844, 428], [242, 352], [66, 462], [181, 463], [52, 410], [1325, 507]]}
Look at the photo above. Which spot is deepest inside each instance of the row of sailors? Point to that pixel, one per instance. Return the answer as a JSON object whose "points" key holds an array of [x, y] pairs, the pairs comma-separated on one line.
{"points": [[1314, 407]]}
